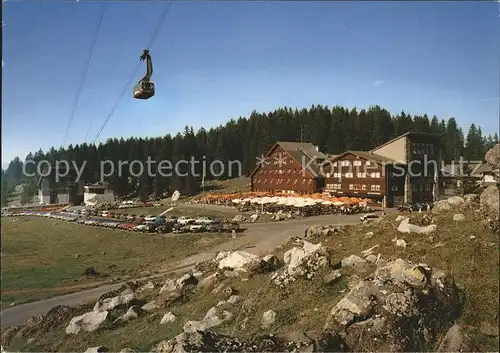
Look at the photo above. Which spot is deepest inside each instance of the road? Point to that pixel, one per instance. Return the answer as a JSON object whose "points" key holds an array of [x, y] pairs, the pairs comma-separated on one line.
{"points": [[258, 238]]}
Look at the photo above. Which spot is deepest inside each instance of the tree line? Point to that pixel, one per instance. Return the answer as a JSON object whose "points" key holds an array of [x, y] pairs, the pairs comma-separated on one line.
{"points": [[334, 130]]}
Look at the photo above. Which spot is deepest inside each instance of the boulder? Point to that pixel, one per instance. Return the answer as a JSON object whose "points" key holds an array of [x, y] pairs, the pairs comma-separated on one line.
{"points": [[403, 307], [214, 317], [489, 202], [458, 217], [88, 322], [441, 206], [168, 318], [353, 261], [268, 318], [240, 260], [302, 261], [456, 201], [406, 227], [110, 303], [131, 314], [332, 277], [492, 157]]}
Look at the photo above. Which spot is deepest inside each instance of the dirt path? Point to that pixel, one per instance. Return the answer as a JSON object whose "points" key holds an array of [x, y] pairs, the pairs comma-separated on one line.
{"points": [[259, 238]]}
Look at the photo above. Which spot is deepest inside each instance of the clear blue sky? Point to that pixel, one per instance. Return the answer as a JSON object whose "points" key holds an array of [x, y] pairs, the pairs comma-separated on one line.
{"points": [[217, 60]]}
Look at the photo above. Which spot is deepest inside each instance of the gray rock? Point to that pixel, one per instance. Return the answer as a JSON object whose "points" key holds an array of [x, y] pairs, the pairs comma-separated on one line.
{"points": [[458, 217], [87, 322], [401, 308], [268, 318], [168, 318], [353, 261], [332, 277]]}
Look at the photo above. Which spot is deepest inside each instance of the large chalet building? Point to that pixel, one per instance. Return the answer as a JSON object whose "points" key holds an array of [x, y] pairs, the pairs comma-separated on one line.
{"points": [[402, 170], [289, 168]]}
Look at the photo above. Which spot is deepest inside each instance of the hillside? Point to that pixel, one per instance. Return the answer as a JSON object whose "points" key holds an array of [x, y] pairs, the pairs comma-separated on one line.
{"points": [[349, 293]]}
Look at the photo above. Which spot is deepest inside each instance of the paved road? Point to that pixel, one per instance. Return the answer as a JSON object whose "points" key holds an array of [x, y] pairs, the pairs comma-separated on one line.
{"points": [[258, 238]]}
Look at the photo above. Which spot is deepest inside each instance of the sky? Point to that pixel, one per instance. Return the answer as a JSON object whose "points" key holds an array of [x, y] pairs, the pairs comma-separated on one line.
{"points": [[214, 61]]}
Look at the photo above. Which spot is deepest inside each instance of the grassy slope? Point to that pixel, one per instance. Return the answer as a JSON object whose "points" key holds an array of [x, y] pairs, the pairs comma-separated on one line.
{"points": [[305, 304], [39, 255]]}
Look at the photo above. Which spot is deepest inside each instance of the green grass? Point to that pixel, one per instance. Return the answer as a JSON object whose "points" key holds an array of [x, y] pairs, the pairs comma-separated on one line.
{"points": [[39, 255], [305, 304]]}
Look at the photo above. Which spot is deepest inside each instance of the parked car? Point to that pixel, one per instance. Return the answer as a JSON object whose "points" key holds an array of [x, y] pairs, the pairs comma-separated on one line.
{"points": [[150, 218], [165, 228], [205, 220], [214, 227], [231, 225], [185, 220], [196, 227], [180, 228]]}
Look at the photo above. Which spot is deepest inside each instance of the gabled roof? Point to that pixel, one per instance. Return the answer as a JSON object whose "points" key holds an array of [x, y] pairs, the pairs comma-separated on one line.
{"points": [[409, 133], [457, 170], [307, 147], [366, 155], [301, 152]]}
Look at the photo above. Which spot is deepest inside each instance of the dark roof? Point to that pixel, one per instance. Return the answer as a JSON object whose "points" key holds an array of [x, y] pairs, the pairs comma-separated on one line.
{"points": [[301, 152], [476, 169], [305, 161], [367, 155], [409, 133]]}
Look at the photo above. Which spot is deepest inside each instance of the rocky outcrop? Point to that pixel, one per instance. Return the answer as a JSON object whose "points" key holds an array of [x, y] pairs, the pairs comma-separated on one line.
{"points": [[403, 307], [406, 227], [302, 261], [492, 157], [321, 230], [88, 322], [489, 201]]}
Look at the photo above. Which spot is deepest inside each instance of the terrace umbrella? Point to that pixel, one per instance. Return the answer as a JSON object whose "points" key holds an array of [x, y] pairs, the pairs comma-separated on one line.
{"points": [[237, 201], [327, 203], [338, 203]]}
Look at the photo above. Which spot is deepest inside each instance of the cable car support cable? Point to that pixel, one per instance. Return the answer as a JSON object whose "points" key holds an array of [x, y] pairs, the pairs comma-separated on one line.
{"points": [[84, 71], [136, 69]]}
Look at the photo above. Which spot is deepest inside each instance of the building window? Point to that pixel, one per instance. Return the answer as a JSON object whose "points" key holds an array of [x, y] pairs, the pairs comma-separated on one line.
{"points": [[265, 181], [394, 188], [428, 187], [361, 175], [377, 187], [296, 180], [310, 181], [337, 175], [327, 175], [334, 164], [414, 188], [372, 187], [349, 175], [303, 181], [375, 175], [345, 163], [356, 163], [363, 187], [368, 163]]}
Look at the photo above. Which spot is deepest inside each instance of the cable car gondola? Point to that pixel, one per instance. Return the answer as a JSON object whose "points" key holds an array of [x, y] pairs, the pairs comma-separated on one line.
{"points": [[145, 89]]}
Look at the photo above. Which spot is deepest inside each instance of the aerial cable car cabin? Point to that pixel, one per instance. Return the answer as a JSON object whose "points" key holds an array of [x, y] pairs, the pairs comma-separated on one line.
{"points": [[145, 89]]}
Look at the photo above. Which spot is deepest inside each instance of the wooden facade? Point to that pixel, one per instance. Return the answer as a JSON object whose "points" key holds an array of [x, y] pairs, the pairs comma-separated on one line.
{"points": [[403, 170], [286, 171]]}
